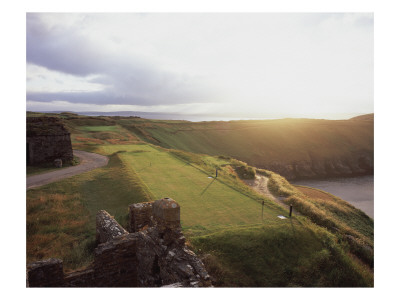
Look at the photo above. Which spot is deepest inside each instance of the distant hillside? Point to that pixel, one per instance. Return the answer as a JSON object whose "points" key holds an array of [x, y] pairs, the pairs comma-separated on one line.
{"points": [[368, 117], [235, 230], [294, 148]]}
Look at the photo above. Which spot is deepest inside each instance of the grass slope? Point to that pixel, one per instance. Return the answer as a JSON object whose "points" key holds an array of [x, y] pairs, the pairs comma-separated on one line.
{"points": [[61, 216], [166, 175], [221, 217], [262, 142], [351, 225], [279, 256]]}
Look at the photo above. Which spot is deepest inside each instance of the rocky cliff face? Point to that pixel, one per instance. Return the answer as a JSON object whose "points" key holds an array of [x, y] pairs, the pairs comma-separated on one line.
{"points": [[355, 165]]}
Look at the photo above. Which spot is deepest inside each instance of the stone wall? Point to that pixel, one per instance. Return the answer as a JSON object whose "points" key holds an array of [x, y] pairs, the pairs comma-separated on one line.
{"points": [[46, 273], [152, 256], [140, 216], [166, 213], [116, 263], [46, 140], [107, 228]]}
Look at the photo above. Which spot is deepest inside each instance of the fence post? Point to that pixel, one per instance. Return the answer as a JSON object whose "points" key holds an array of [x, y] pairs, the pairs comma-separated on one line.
{"points": [[290, 212], [262, 211]]}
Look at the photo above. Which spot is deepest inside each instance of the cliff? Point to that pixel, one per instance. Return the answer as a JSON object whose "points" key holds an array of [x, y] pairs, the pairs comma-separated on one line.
{"points": [[351, 165]]}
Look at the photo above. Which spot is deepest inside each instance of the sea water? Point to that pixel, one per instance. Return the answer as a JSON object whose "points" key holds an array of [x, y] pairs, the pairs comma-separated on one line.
{"points": [[359, 191]]}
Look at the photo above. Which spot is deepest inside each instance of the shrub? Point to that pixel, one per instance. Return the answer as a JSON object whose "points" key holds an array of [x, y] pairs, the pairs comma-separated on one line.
{"points": [[246, 172], [264, 172], [279, 186]]}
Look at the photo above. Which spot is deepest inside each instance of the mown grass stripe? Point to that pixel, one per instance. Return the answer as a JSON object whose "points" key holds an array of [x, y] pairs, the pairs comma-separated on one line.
{"points": [[204, 201]]}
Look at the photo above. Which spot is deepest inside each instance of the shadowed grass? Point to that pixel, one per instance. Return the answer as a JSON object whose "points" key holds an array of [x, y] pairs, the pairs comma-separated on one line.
{"points": [[49, 166], [335, 214], [61, 216], [279, 256]]}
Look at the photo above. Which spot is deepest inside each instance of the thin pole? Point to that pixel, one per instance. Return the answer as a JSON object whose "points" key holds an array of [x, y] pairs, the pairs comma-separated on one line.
{"points": [[262, 211], [290, 212]]}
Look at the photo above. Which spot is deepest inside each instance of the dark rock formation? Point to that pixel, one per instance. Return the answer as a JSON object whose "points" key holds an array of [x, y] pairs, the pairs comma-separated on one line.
{"points": [[358, 164], [166, 214], [107, 228], [58, 163], [46, 140], [140, 216], [154, 255], [46, 273]]}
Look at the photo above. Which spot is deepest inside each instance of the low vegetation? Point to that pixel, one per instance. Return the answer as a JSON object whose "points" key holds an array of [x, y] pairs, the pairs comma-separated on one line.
{"points": [[241, 242], [47, 167], [330, 212], [279, 256], [61, 216], [261, 142], [195, 187]]}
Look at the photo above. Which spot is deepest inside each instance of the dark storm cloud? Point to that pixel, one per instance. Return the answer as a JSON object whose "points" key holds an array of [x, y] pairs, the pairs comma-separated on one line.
{"points": [[126, 80]]}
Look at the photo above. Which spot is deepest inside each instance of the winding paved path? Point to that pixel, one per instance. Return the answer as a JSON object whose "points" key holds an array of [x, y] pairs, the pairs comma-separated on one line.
{"points": [[88, 161]]}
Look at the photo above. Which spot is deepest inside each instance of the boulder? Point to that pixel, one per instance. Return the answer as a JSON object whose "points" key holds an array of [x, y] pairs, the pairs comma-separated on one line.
{"points": [[58, 163]]}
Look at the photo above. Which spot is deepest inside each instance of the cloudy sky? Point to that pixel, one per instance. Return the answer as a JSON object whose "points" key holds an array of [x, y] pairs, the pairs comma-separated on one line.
{"points": [[268, 65]]}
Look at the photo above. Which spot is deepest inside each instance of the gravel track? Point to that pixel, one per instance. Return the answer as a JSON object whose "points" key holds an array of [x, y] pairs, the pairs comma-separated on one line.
{"points": [[88, 161]]}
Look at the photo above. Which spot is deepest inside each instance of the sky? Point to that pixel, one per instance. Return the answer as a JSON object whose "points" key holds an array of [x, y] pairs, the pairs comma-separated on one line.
{"points": [[240, 65]]}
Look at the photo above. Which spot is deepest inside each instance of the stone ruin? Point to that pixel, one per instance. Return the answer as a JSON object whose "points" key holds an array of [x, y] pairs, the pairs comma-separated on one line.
{"points": [[47, 140], [152, 254]]}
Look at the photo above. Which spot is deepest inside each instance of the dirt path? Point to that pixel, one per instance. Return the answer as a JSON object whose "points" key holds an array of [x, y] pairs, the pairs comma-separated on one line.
{"points": [[260, 184], [88, 161]]}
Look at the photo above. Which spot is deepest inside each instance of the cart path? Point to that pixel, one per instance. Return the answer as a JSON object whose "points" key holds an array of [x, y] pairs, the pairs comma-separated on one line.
{"points": [[88, 161]]}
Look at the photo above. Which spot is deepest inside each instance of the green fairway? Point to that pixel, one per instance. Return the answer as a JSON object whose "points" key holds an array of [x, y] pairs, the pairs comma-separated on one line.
{"points": [[99, 128], [205, 202]]}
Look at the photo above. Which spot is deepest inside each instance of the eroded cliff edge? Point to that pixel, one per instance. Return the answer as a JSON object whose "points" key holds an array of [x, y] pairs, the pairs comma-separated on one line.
{"points": [[355, 165]]}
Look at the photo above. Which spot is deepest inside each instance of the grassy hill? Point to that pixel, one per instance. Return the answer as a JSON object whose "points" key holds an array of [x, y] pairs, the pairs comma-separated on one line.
{"points": [[367, 118], [294, 148], [221, 217], [280, 256]]}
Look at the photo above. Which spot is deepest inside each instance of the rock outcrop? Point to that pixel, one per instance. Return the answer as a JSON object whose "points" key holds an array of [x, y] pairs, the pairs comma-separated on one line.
{"points": [[46, 273], [107, 228], [361, 164], [153, 254], [140, 216]]}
